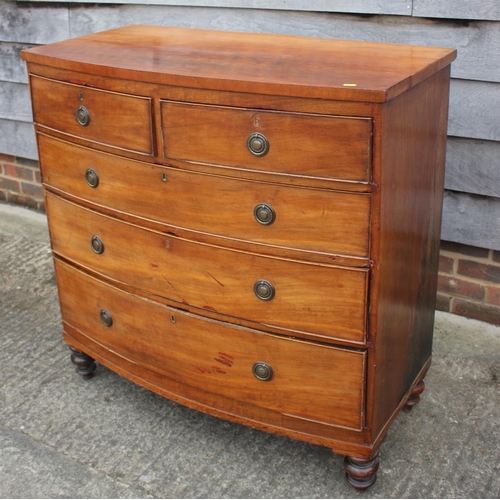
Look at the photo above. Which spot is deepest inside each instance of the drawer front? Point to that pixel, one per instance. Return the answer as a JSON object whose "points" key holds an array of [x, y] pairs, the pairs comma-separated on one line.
{"points": [[109, 118], [310, 219], [292, 295], [306, 381], [298, 144]]}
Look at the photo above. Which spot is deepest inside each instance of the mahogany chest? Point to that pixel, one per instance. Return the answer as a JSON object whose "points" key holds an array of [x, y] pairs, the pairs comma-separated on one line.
{"points": [[249, 224]]}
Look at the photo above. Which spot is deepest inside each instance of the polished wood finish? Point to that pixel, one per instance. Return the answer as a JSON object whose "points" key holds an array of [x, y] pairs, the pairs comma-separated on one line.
{"points": [[407, 271], [322, 220], [266, 64], [361, 473], [334, 146], [215, 357], [85, 365], [56, 105], [317, 299], [159, 252], [415, 395]]}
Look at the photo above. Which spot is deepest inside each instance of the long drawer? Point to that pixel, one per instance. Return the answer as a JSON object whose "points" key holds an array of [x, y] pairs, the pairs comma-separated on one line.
{"points": [[296, 296], [309, 219], [300, 379], [110, 118], [278, 142]]}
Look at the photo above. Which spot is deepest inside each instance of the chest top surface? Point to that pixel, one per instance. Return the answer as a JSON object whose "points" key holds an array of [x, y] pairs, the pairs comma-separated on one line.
{"points": [[246, 62]]}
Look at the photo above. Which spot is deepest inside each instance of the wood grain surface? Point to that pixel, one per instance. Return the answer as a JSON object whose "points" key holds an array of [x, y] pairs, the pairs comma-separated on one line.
{"points": [[12, 67], [315, 220], [472, 167], [409, 239], [271, 64], [18, 138], [479, 119], [324, 300], [189, 351], [300, 144], [15, 102], [355, 164], [464, 9], [398, 7], [119, 120], [472, 219]]}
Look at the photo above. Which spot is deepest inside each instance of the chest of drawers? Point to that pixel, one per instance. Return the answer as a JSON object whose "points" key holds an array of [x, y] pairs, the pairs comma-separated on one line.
{"points": [[249, 224]]}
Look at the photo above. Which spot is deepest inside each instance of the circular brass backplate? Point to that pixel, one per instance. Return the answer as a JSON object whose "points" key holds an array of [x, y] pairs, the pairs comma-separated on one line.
{"points": [[258, 144]]}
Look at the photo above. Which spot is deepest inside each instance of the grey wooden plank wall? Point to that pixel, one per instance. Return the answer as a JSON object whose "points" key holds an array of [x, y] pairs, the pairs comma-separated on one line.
{"points": [[472, 201]]}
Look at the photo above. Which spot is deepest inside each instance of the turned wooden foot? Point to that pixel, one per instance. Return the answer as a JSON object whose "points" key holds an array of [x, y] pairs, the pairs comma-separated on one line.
{"points": [[361, 473], [415, 395], [85, 365]]}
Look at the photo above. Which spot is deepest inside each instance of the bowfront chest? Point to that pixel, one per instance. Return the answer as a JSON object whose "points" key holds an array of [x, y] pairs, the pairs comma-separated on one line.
{"points": [[249, 224]]}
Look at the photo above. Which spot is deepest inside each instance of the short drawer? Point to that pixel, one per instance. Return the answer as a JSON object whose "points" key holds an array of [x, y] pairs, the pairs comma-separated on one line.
{"points": [[297, 379], [296, 296], [285, 143], [109, 118], [273, 214]]}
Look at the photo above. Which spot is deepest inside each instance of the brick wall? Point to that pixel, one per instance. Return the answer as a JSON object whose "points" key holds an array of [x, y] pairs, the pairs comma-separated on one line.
{"points": [[469, 277], [20, 182], [469, 282]]}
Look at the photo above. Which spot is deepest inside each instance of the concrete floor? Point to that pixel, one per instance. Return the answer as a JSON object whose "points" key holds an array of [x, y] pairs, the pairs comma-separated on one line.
{"points": [[64, 437]]}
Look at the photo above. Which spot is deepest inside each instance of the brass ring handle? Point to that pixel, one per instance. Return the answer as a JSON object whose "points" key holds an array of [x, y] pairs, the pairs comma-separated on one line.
{"points": [[97, 244], [106, 318], [83, 116], [262, 371], [264, 214], [92, 178], [264, 290], [258, 144]]}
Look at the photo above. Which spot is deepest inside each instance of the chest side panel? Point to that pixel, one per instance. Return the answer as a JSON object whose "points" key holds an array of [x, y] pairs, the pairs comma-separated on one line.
{"points": [[413, 150]]}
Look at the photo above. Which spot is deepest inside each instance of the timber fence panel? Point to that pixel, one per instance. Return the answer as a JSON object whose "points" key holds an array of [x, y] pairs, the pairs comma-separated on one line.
{"points": [[473, 166], [487, 10], [471, 219]]}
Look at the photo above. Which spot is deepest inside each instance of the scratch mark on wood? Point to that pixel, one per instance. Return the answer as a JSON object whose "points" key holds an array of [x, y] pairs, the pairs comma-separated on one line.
{"points": [[216, 369], [225, 359], [202, 370], [210, 371], [173, 287], [215, 279]]}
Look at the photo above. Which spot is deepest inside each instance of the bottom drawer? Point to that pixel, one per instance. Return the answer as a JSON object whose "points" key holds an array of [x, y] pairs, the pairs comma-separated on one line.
{"points": [[199, 356]]}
